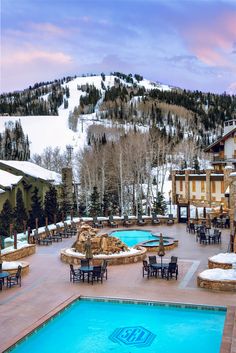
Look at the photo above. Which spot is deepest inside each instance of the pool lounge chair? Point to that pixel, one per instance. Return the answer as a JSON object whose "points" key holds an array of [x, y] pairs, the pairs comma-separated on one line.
{"points": [[126, 221], [141, 221], [155, 220], [97, 223], [170, 220], [112, 223]]}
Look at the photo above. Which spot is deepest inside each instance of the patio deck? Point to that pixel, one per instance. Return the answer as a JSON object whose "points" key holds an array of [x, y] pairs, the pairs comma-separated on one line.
{"points": [[47, 285]]}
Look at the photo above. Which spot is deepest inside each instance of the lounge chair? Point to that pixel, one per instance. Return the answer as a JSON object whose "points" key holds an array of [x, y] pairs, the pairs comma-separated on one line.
{"points": [[155, 220], [14, 279], [40, 240], [67, 231], [170, 220], [140, 221], [126, 221], [97, 223], [112, 223]]}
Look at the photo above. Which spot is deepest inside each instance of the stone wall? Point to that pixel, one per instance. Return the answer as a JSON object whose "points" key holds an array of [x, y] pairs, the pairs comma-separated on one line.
{"points": [[112, 260], [19, 253], [229, 286], [225, 266]]}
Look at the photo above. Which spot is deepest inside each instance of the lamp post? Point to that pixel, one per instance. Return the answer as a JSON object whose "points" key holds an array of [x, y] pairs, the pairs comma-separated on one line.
{"points": [[170, 201]]}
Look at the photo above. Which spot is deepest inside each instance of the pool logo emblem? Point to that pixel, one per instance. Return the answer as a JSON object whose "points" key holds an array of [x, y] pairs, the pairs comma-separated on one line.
{"points": [[133, 336]]}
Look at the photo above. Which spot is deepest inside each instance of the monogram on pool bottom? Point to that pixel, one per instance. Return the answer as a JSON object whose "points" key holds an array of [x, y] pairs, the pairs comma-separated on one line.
{"points": [[133, 336]]}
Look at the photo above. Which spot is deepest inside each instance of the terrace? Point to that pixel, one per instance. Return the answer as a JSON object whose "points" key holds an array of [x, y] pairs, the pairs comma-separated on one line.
{"points": [[46, 287]]}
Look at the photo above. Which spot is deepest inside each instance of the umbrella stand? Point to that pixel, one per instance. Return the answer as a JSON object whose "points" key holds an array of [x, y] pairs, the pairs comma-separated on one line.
{"points": [[161, 250], [88, 250]]}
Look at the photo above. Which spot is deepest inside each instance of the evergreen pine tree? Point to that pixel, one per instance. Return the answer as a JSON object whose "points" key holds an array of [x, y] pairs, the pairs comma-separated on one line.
{"points": [[94, 206], [20, 213], [50, 204], [36, 209], [160, 206], [6, 218]]}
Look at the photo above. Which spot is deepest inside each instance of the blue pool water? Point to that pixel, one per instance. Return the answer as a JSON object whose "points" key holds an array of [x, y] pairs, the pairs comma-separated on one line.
{"points": [[103, 327], [133, 237]]}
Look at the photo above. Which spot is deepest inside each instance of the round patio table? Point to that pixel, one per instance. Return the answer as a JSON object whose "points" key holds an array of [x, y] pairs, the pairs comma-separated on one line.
{"points": [[3, 275]]}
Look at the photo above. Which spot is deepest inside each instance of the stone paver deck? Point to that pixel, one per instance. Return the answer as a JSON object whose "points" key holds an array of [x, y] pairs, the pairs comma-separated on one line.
{"points": [[47, 285]]}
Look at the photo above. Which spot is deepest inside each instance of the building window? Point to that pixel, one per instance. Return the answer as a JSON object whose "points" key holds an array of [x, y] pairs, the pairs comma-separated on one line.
{"points": [[202, 186], [181, 185], [213, 187], [222, 187], [193, 186]]}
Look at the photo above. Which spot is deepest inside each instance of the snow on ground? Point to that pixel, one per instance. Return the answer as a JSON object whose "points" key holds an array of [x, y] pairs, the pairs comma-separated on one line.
{"points": [[224, 258], [131, 251], [10, 265], [218, 274]]}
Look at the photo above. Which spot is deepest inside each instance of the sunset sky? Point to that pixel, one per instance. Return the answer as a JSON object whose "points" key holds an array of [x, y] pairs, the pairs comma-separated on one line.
{"points": [[185, 43]]}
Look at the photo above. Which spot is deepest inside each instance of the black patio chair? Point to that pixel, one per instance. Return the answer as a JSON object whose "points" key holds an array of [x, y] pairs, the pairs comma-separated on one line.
{"points": [[75, 274], [174, 259], [148, 270], [141, 221], [171, 270], [126, 221], [14, 279], [97, 223], [66, 231], [104, 268], [152, 260], [155, 220], [84, 262], [97, 274], [203, 239], [112, 223]]}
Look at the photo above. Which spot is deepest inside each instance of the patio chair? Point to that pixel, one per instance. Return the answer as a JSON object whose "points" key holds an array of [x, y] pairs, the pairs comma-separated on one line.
{"points": [[97, 223], [152, 260], [14, 279], [97, 274], [170, 220], [75, 274], [148, 270], [171, 270], [73, 228], [84, 262], [155, 220], [203, 239], [104, 268], [141, 221], [126, 221], [174, 259], [112, 223]]}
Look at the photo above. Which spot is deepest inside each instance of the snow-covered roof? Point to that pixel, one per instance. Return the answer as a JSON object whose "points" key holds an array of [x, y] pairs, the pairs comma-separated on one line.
{"points": [[33, 170], [8, 179]]}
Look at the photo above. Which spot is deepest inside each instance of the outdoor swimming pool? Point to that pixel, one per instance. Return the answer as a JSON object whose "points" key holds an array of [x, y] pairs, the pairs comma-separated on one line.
{"points": [[95, 326], [133, 237]]}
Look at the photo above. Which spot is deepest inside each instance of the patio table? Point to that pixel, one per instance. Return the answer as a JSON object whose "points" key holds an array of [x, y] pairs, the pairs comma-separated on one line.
{"points": [[159, 267], [3, 275], [86, 270]]}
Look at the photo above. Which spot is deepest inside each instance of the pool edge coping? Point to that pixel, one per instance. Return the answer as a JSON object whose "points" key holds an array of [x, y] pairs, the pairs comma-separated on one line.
{"points": [[228, 342]]}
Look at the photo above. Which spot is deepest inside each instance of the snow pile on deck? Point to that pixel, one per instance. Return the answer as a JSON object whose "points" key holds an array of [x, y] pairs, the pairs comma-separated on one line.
{"points": [[218, 274], [224, 258], [10, 265], [131, 251]]}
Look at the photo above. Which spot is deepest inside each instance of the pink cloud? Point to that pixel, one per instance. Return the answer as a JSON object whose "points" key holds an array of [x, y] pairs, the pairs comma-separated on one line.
{"points": [[212, 43], [33, 55], [49, 29]]}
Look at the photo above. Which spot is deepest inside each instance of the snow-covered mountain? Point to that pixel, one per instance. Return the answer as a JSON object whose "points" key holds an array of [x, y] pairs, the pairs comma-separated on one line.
{"points": [[53, 130]]}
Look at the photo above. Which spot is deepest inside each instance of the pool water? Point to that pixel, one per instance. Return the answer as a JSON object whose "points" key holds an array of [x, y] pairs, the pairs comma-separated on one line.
{"points": [[133, 237], [102, 327]]}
